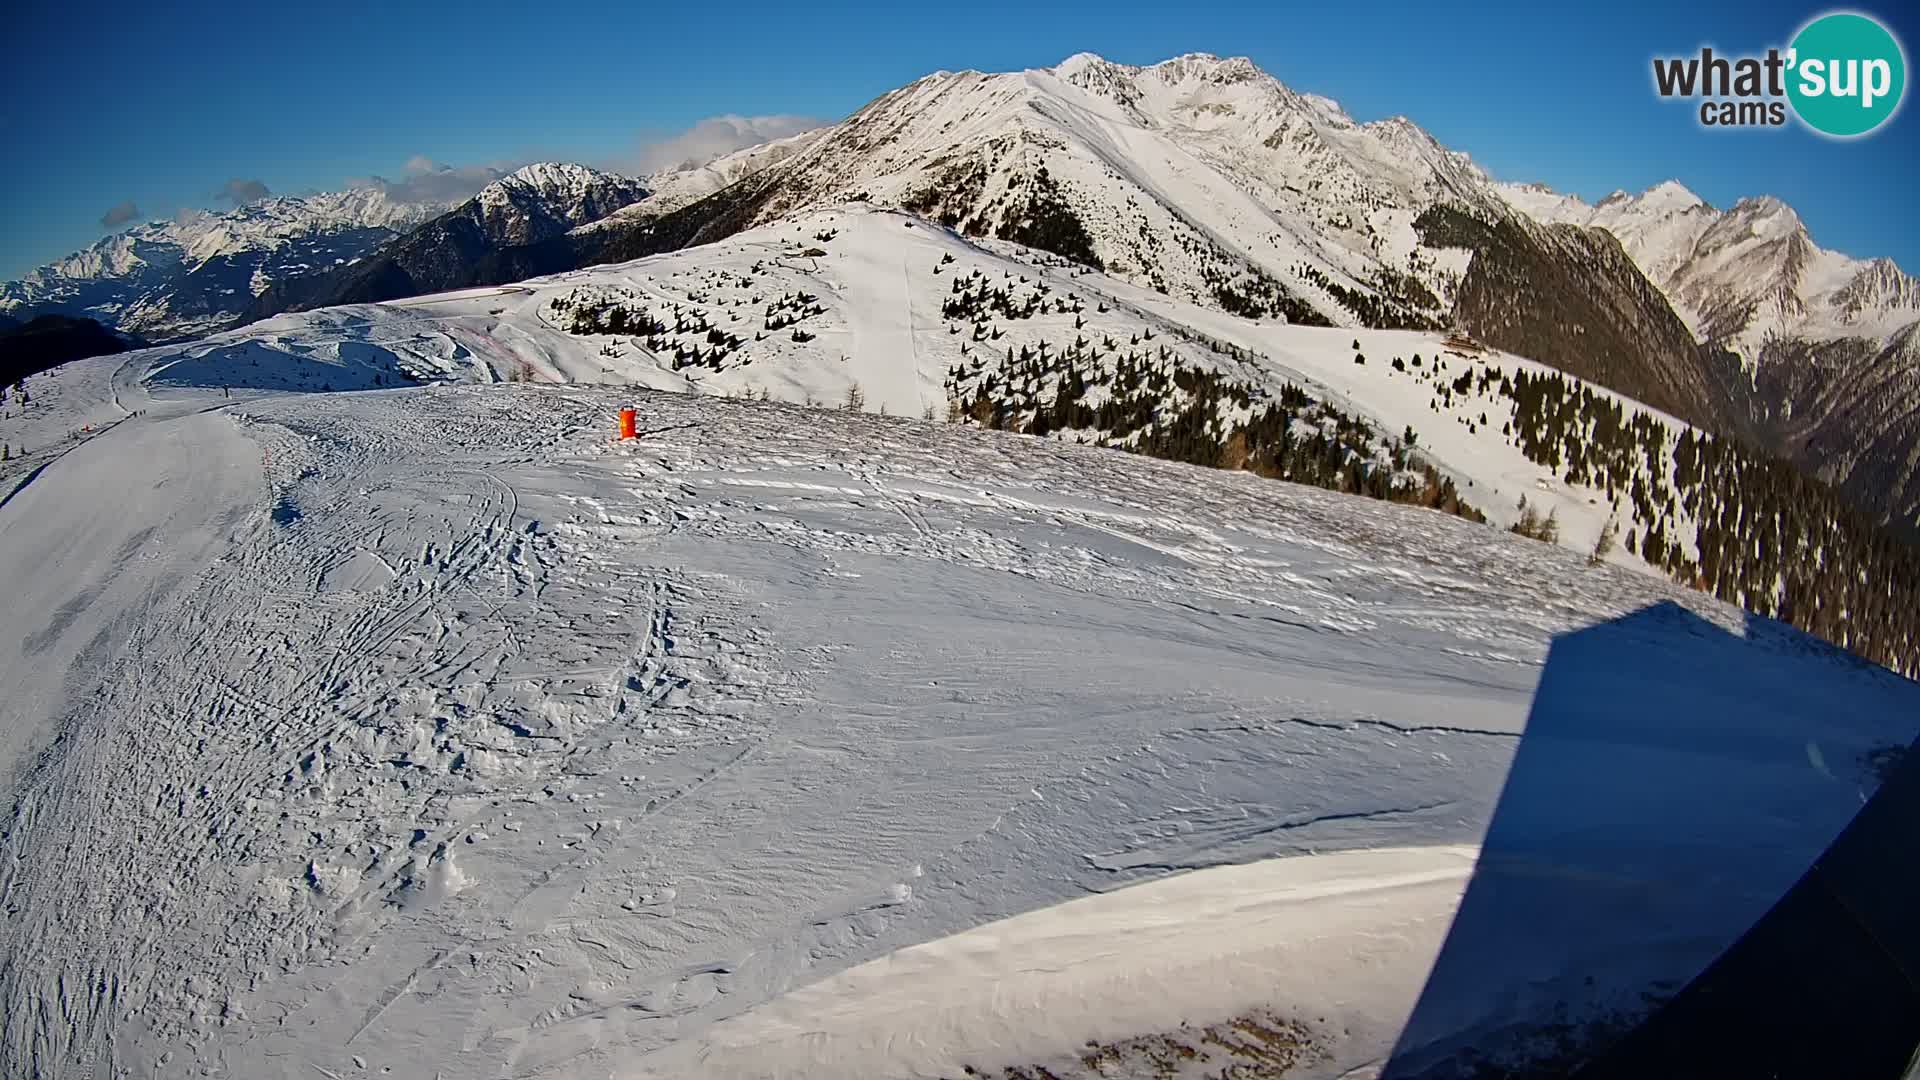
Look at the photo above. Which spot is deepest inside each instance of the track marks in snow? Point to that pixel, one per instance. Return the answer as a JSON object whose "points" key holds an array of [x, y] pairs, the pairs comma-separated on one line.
{"points": [[510, 750], [328, 758]]}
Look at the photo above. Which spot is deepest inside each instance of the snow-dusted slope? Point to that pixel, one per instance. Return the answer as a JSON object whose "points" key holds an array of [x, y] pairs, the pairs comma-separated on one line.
{"points": [[1196, 175], [430, 730], [671, 189], [1209, 181], [169, 279], [1198, 172], [872, 308], [1244, 949], [1193, 171]]}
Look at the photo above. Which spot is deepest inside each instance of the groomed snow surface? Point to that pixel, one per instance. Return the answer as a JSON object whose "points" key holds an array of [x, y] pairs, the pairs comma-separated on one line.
{"points": [[428, 732]]}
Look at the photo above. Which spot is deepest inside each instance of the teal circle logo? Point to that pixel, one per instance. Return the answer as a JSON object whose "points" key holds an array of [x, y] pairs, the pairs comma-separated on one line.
{"points": [[1848, 74]]}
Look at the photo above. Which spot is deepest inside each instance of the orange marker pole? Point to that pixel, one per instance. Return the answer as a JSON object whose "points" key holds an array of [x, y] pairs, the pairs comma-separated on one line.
{"points": [[627, 420]]}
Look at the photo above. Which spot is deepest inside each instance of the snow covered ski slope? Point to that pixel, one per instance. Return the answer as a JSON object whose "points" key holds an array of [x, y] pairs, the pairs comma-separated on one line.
{"points": [[913, 318], [426, 731]]}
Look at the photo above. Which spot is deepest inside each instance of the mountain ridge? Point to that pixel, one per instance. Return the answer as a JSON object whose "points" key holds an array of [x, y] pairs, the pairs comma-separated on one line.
{"points": [[877, 309], [171, 279], [1209, 181], [1830, 371], [535, 204]]}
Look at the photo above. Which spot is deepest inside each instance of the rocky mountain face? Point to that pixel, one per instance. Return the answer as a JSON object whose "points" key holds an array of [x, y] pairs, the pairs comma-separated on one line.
{"points": [[1200, 177], [168, 280], [545, 200], [1742, 277], [1847, 409], [532, 206], [1826, 344], [1573, 298], [1211, 182]]}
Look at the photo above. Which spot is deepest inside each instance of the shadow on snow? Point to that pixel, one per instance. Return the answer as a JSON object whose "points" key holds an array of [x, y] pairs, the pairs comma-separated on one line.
{"points": [[1673, 782]]}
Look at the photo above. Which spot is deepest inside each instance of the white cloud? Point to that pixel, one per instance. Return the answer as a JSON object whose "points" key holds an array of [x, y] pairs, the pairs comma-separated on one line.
{"points": [[714, 137], [425, 180], [240, 192], [119, 215]]}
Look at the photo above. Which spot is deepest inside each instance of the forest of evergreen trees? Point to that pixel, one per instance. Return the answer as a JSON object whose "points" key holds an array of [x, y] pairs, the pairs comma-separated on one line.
{"points": [[683, 334], [1147, 400], [1401, 303], [1045, 221], [1036, 214], [1723, 518], [1710, 513]]}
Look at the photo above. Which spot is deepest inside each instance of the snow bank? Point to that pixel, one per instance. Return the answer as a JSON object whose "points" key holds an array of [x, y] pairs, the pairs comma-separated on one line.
{"points": [[1342, 940]]}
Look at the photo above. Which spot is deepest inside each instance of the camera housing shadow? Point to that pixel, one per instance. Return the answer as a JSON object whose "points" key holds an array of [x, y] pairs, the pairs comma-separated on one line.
{"points": [[1675, 779], [1830, 976]]}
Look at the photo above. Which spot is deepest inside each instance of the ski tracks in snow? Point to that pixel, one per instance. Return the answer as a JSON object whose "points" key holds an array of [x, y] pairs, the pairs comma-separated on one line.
{"points": [[488, 745], [883, 354], [309, 753]]}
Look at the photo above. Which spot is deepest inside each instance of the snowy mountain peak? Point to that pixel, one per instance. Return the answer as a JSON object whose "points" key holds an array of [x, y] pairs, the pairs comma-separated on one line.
{"points": [[1082, 63], [1767, 215], [1100, 76], [1673, 194], [1186, 67], [1209, 68], [1327, 110], [1199, 82], [1744, 278], [1662, 200], [1396, 124], [550, 197], [1879, 286], [1397, 133], [548, 179]]}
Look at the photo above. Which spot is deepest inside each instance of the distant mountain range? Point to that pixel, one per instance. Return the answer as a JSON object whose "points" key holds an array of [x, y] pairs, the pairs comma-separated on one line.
{"points": [[167, 280], [1209, 181], [170, 280], [533, 205]]}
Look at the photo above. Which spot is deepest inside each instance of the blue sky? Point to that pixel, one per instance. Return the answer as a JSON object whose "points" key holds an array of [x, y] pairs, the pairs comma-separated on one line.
{"points": [[163, 105]]}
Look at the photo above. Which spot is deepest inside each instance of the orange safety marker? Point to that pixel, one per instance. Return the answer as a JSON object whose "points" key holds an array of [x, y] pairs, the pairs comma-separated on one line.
{"points": [[627, 420]]}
